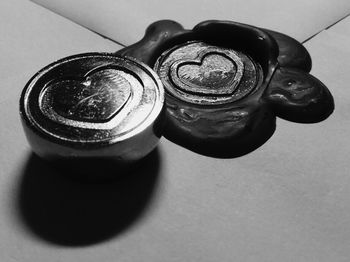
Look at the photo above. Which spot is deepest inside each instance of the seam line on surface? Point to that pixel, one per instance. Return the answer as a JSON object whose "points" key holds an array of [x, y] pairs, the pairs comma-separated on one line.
{"points": [[72, 21], [326, 28]]}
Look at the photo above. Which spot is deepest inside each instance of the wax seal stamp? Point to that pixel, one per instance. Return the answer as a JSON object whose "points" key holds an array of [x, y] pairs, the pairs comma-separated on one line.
{"points": [[93, 105], [226, 82]]}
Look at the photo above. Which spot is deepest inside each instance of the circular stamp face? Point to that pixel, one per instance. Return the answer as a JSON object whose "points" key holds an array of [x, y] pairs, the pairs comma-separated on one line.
{"points": [[200, 73], [93, 98]]}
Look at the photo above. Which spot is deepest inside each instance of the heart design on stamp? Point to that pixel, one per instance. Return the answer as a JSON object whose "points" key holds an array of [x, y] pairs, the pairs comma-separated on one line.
{"points": [[211, 73], [96, 98]]}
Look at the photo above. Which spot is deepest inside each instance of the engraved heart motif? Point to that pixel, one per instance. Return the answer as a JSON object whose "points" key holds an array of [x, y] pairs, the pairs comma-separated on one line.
{"points": [[96, 98], [211, 73]]}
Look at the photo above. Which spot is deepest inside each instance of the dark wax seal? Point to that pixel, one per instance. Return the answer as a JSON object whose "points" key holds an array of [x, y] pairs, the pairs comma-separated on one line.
{"points": [[226, 82], [207, 75], [93, 105]]}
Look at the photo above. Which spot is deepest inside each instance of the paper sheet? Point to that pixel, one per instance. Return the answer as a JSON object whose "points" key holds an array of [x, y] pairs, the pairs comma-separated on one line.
{"points": [[126, 20], [286, 201]]}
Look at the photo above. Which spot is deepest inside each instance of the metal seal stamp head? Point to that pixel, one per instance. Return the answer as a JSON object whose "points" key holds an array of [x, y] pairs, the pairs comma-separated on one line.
{"points": [[93, 105]]}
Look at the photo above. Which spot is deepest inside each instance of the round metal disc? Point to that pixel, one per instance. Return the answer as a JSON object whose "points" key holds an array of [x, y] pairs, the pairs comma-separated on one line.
{"points": [[93, 104]]}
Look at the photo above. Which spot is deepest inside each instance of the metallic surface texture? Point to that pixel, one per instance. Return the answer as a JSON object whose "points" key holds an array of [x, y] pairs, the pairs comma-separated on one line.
{"points": [[93, 105]]}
